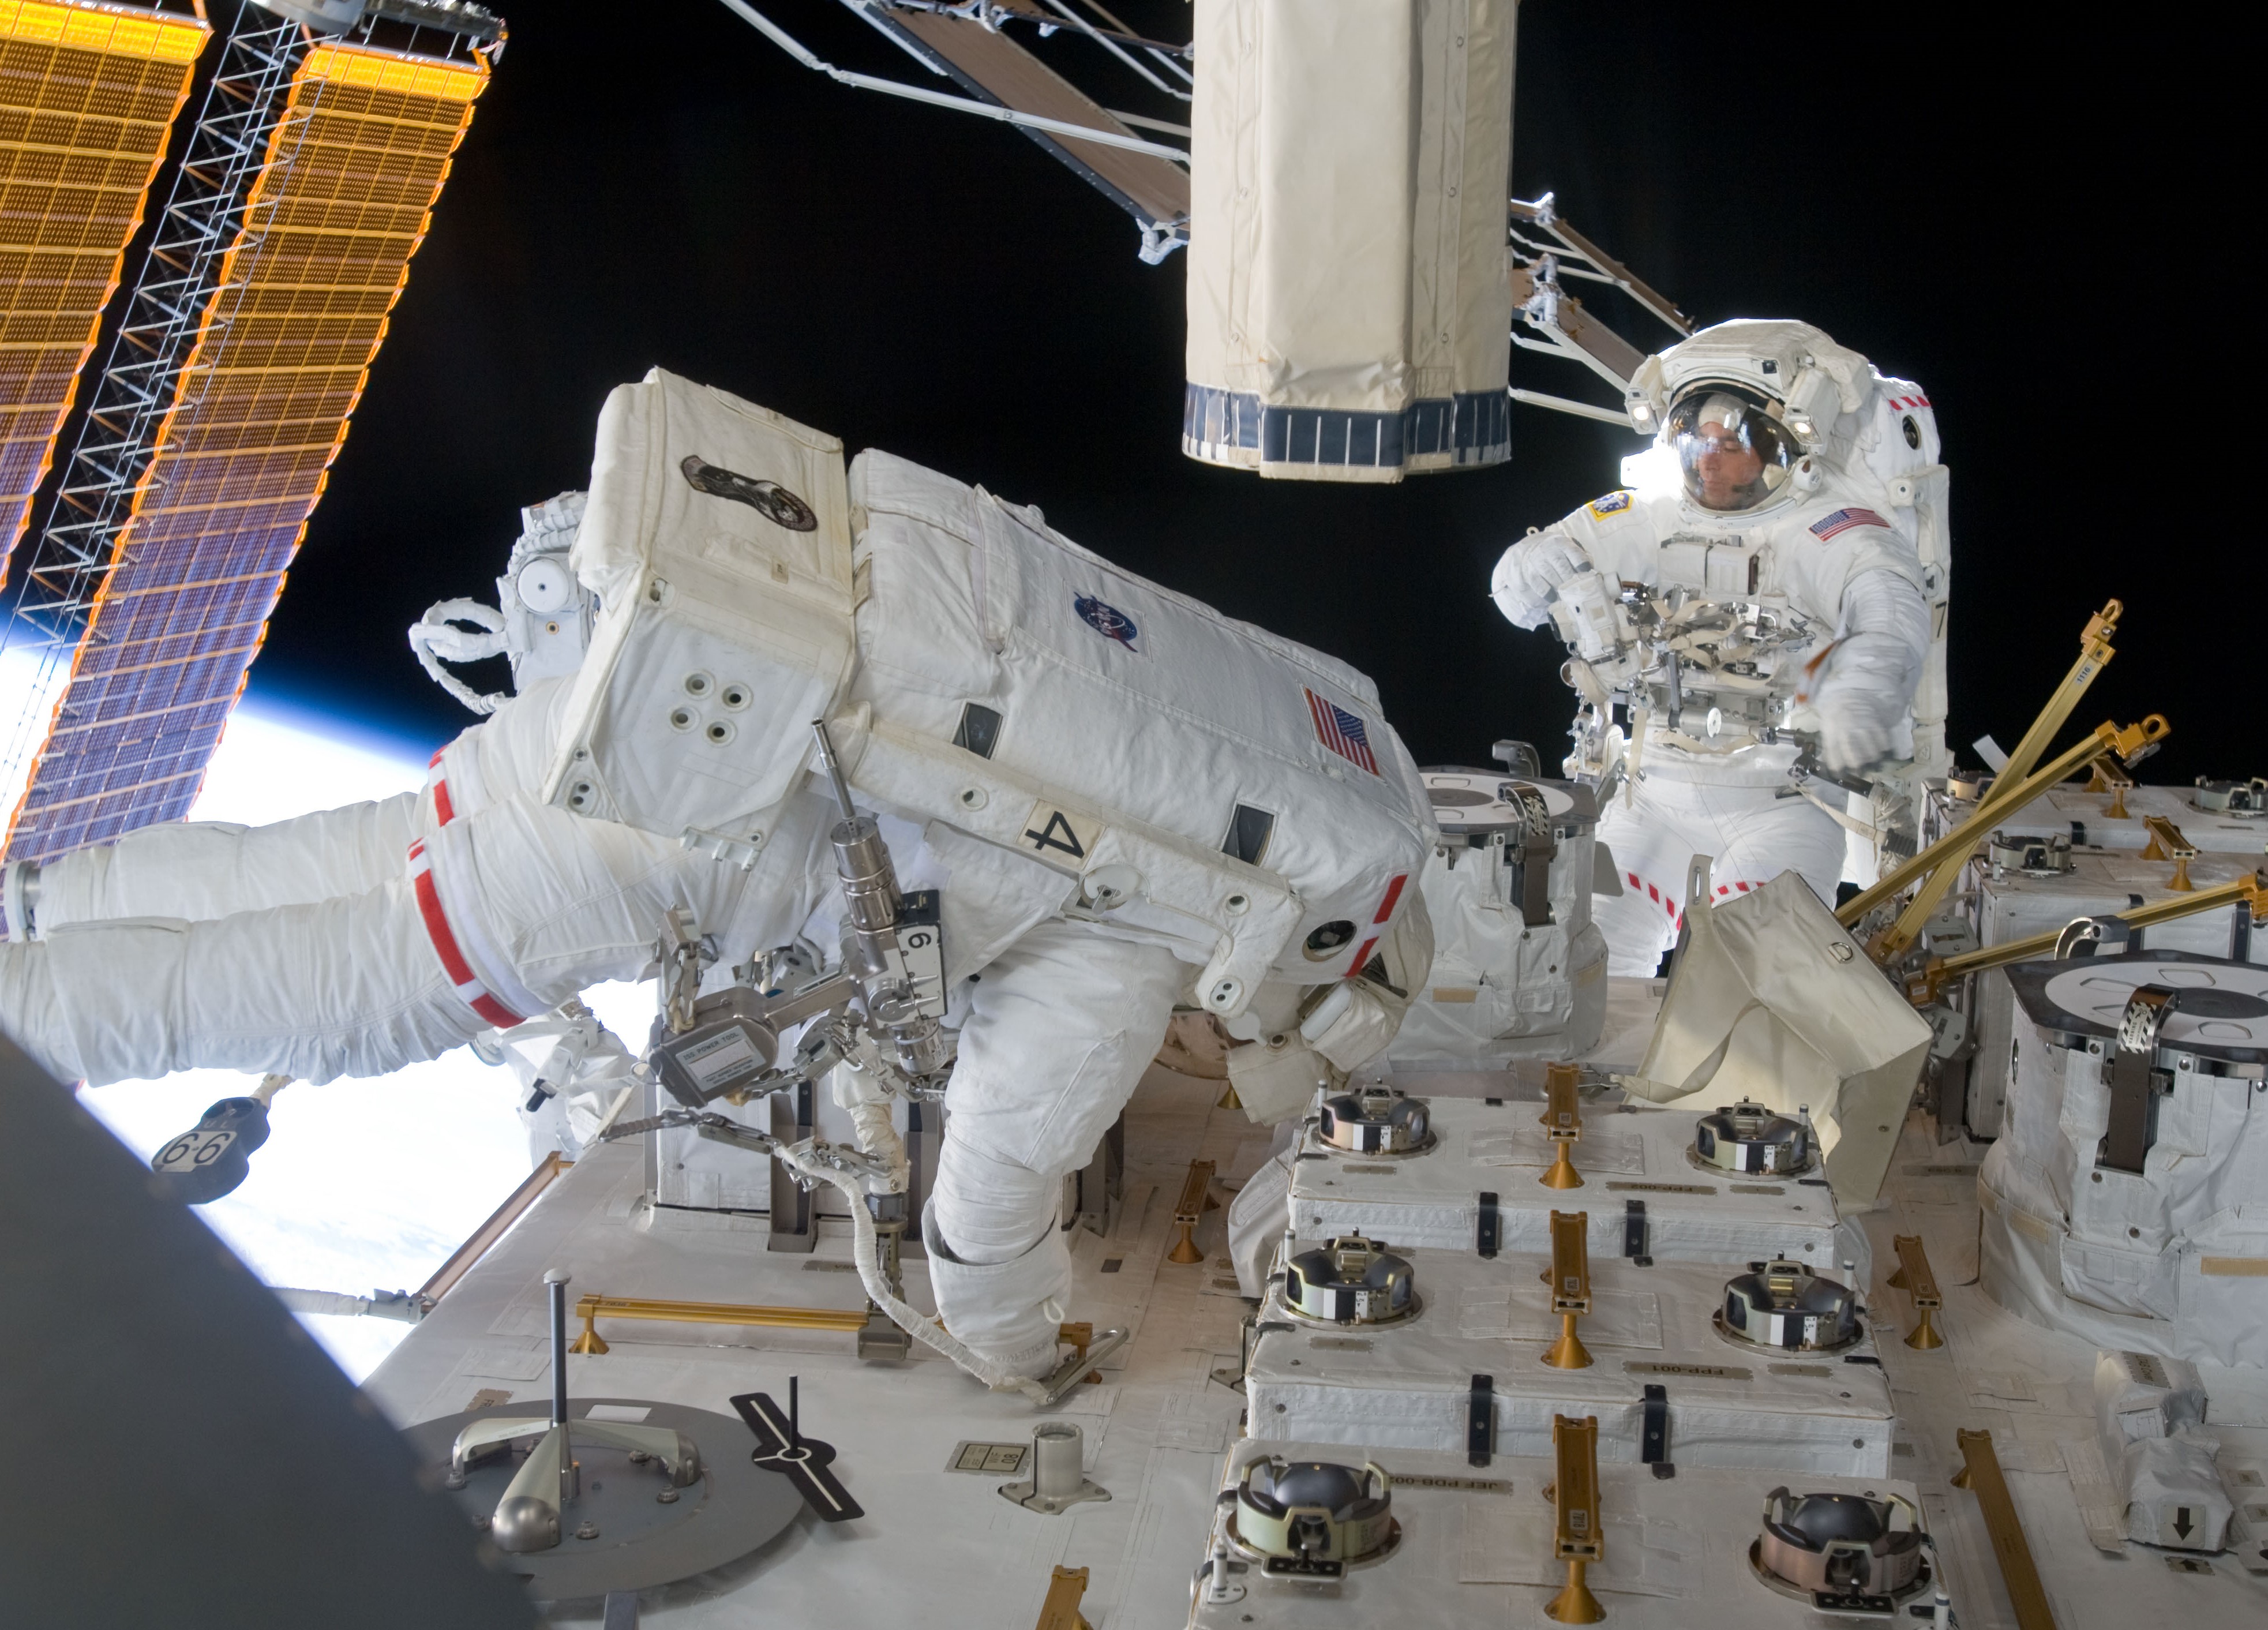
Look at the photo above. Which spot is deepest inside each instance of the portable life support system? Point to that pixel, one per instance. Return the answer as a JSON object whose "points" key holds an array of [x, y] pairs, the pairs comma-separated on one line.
{"points": [[1200, 780]]}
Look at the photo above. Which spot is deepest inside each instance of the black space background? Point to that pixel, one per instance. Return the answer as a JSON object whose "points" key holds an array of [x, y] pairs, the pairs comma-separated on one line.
{"points": [[1965, 196]]}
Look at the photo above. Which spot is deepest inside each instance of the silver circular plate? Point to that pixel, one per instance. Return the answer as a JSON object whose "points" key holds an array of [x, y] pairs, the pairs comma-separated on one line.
{"points": [[1468, 803], [641, 1540], [2231, 998]]}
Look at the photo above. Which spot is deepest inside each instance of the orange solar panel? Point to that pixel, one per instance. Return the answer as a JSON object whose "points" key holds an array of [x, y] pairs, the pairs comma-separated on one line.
{"points": [[357, 158], [87, 96]]}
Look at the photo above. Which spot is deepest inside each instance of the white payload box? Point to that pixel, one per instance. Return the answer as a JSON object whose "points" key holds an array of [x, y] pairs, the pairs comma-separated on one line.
{"points": [[1234, 794], [1349, 312], [2126, 1200], [1520, 970], [1647, 1190], [1772, 1000]]}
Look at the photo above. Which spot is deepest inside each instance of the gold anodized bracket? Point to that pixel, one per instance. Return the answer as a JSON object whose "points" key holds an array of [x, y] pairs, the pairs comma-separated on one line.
{"points": [[1562, 1123], [1197, 1199], [1915, 1279], [1066, 1588], [1980, 1473], [2167, 844], [1578, 1538], [1570, 1279]]}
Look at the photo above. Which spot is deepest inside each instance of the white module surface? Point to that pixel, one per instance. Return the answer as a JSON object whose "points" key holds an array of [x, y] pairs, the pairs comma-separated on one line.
{"points": [[1476, 1549], [1693, 1212], [1410, 1385]]}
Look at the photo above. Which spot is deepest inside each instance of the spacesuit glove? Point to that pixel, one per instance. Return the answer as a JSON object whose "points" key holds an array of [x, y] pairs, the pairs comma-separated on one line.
{"points": [[1872, 672], [1524, 580]]}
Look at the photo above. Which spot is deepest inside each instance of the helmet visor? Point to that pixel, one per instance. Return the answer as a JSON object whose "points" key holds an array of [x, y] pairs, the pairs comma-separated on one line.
{"points": [[1731, 447]]}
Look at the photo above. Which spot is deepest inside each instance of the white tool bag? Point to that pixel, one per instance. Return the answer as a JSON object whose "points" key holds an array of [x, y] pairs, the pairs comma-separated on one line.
{"points": [[718, 538], [1210, 783], [1771, 1000], [1349, 314]]}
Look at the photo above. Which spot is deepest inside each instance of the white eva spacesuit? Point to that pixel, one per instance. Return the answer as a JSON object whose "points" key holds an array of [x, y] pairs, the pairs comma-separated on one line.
{"points": [[1125, 801], [1774, 575]]}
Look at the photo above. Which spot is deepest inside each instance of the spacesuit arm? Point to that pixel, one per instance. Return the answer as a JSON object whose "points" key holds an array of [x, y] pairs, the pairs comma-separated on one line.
{"points": [[1342, 1026], [1868, 685]]}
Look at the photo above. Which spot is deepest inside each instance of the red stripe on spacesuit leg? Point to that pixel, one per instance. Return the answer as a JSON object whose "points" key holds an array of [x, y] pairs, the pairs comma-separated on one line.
{"points": [[444, 811], [470, 989], [1393, 893], [1361, 957]]}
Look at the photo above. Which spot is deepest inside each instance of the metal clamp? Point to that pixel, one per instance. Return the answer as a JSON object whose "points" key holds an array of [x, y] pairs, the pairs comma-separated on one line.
{"points": [[1576, 1537], [1480, 1421], [1634, 1232], [1562, 1123], [1488, 1232], [1654, 1432]]}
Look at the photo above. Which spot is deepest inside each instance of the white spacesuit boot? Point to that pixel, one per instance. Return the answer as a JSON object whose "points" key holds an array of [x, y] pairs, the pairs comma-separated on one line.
{"points": [[1753, 610], [1060, 1028]]}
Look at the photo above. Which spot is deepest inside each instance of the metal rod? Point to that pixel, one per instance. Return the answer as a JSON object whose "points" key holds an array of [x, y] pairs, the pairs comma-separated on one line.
{"points": [[2094, 652], [834, 769], [794, 1412], [555, 1283], [787, 43], [1568, 404]]}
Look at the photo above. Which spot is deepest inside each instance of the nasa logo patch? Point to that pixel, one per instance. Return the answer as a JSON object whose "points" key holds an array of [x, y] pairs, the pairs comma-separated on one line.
{"points": [[1613, 504], [1107, 620]]}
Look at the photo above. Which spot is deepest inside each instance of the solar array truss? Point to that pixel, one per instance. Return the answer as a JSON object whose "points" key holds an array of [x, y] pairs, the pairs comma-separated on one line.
{"points": [[87, 98], [305, 188]]}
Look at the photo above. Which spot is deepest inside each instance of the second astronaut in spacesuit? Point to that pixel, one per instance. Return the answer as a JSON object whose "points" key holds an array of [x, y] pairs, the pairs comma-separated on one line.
{"points": [[1764, 598]]}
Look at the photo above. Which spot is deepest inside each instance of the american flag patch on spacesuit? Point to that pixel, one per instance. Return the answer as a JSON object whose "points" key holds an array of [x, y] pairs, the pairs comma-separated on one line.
{"points": [[1341, 732], [1843, 519]]}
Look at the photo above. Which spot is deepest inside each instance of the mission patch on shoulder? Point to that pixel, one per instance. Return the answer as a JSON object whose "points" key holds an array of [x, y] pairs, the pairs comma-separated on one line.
{"points": [[1613, 504]]}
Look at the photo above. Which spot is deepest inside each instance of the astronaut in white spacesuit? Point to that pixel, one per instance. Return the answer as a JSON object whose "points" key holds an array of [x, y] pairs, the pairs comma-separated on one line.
{"points": [[1760, 590], [964, 657]]}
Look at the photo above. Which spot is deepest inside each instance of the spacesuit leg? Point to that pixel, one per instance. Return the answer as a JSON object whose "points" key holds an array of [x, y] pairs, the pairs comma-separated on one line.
{"points": [[346, 986], [1651, 848], [1750, 833], [1756, 842], [204, 869], [1060, 1028]]}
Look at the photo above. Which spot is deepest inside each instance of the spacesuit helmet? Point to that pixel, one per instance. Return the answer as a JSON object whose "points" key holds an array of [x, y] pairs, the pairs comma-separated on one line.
{"points": [[1733, 447]]}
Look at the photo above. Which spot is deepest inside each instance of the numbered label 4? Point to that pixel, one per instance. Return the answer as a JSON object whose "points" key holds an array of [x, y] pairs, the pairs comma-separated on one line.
{"points": [[1060, 837]]}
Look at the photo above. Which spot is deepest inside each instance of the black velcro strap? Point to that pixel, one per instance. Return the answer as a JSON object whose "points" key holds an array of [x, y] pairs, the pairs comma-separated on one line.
{"points": [[1653, 1441], [1490, 1233], [1480, 1421], [1634, 1232]]}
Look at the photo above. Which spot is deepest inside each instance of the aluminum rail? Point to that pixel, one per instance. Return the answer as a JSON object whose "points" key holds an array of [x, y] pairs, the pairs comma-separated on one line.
{"points": [[2006, 796], [810, 59], [1937, 973]]}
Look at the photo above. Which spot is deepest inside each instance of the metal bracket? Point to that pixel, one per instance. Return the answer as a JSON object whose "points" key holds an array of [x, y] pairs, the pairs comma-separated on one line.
{"points": [[1480, 1421], [2136, 1082], [1654, 1440], [1488, 1232], [1634, 1240]]}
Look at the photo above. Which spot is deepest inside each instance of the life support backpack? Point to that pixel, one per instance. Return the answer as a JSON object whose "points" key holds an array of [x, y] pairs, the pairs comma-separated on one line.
{"points": [[1204, 781]]}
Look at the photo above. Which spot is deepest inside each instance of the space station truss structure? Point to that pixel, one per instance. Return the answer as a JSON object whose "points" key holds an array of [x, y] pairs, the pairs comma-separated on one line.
{"points": [[88, 98], [304, 187]]}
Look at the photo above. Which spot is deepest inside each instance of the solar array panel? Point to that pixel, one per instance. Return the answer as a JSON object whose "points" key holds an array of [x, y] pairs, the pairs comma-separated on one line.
{"points": [[87, 95], [357, 159]]}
